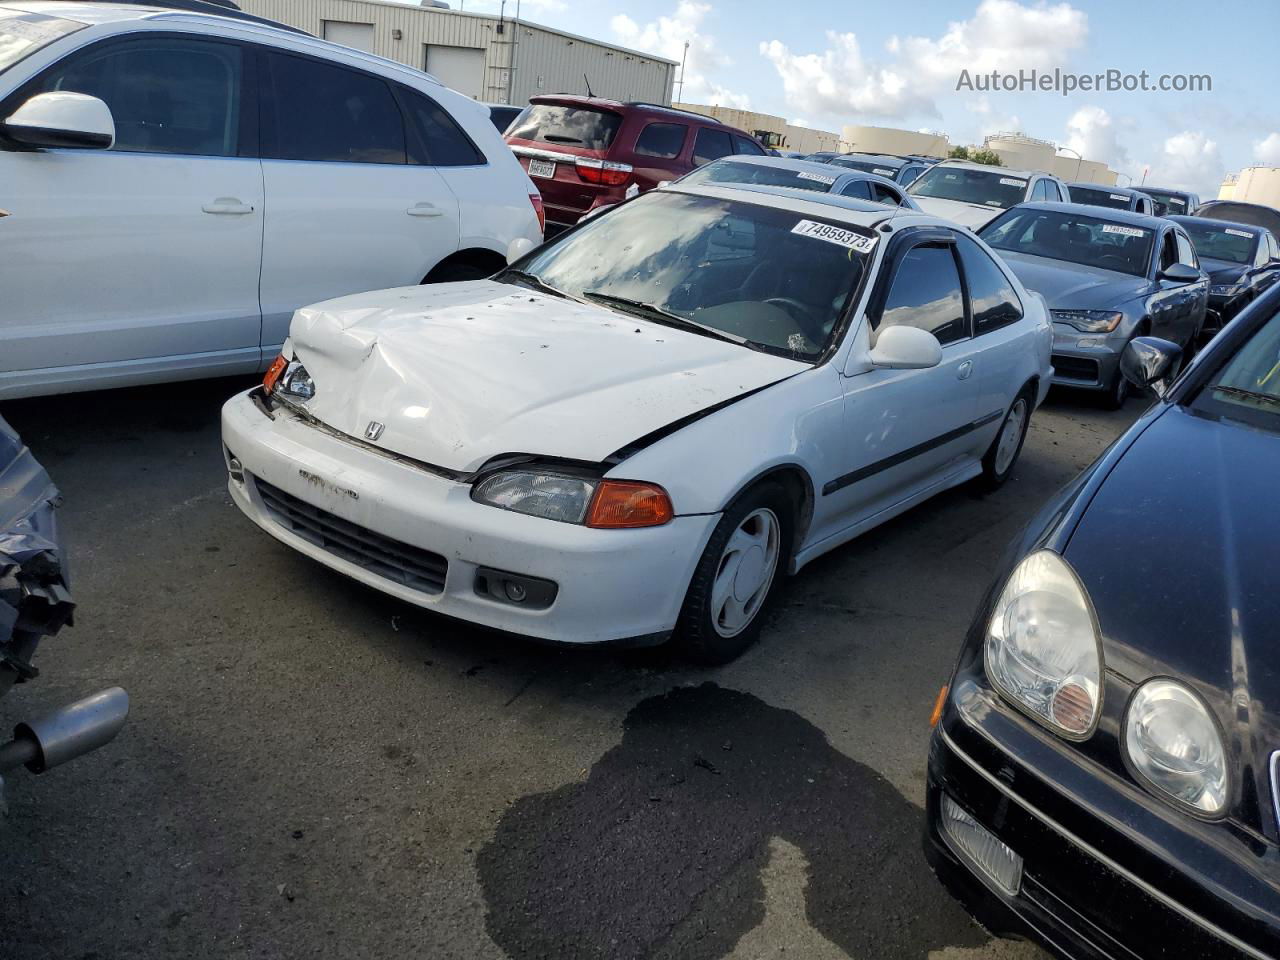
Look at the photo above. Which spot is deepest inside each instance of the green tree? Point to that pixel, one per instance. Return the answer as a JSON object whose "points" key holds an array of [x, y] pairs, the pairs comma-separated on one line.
{"points": [[976, 155]]}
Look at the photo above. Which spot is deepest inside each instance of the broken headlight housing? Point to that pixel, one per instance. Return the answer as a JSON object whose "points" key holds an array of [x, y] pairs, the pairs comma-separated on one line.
{"points": [[1043, 649], [295, 383]]}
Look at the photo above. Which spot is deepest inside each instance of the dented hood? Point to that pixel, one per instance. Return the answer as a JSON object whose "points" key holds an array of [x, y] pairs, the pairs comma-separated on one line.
{"points": [[459, 373], [971, 215]]}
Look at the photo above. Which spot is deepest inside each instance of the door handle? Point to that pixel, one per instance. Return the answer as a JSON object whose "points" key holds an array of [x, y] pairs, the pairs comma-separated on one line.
{"points": [[227, 205], [963, 371], [425, 210]]}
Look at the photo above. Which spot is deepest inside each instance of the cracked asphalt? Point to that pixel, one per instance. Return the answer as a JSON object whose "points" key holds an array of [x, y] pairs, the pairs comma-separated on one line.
{"points": [[312, 769]]}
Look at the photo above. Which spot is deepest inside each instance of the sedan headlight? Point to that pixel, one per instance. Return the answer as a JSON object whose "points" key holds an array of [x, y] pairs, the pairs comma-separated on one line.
{"points": [[288, 377], [1174, 745], [594, 503], [1043, 651], [1089, 321], [1227, 289]]}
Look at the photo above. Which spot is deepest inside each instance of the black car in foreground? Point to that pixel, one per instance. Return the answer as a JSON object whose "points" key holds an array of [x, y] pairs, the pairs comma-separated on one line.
{"points": [[1104, 774], [1242, 261]]}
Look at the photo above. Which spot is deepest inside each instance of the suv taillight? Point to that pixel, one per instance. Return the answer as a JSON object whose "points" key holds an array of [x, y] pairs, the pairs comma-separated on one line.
{"points": [[538, 208], [606, 172]]}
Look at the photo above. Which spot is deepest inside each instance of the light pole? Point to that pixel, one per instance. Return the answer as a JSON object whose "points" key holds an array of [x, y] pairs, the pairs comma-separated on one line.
{"points": [[683, 58], [1079, 159]]}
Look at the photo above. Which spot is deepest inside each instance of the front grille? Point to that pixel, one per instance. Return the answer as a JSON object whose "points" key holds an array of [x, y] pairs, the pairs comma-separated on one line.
{"points": [[1075, 368], [409, 566]]}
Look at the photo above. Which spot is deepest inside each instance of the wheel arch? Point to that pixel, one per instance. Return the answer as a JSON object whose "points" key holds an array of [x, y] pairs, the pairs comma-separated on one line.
{"points": [[793, 478], [472, 258]]}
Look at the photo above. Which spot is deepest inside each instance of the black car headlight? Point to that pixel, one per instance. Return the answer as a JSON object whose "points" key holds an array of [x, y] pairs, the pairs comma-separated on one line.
{"points": [[1227, 289], [1043, 649], [1174, 745], [1089, 321]]}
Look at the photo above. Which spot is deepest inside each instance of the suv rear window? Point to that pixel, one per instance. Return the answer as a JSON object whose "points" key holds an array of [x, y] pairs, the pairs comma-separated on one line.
{"points": [[570, 126]]}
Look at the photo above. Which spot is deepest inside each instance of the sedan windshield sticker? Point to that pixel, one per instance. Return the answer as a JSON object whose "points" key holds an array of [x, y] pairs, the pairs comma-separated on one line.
{"points": [[816, 177], [1123, 231], [882, 171], [1012, 182], [845, 238], [1119, 196], [1239, 233]]}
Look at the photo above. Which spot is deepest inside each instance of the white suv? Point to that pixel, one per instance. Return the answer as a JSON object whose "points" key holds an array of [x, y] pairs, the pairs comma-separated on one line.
{"points": [[173, 185]]}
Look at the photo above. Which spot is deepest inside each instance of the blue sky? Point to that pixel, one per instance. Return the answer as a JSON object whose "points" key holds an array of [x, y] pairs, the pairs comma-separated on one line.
{"points": [[833, 62]]}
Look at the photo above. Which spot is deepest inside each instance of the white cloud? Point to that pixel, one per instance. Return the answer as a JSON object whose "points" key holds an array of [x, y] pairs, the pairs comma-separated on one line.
{"points": [[667, 36], [1188, 161], [991, 120], [1095, 135], [1001, 35], [1268, 151]]}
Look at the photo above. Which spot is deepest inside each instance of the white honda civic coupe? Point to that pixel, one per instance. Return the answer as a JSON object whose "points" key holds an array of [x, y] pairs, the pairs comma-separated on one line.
{"points": [[634, 431]]}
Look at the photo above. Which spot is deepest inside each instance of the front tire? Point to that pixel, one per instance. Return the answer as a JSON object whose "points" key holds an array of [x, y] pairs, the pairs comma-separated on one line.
{"points": [[998, 461], [737, 576]]}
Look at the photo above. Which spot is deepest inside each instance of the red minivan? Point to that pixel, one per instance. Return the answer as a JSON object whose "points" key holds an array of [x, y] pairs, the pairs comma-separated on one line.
{"points": [[586, 152]]}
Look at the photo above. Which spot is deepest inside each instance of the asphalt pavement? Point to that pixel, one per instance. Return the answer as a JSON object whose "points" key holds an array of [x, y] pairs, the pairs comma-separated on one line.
{"points": [[313, 769]]}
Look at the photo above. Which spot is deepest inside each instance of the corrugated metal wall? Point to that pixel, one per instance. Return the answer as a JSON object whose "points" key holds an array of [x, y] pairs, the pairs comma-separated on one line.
{"points": [[545, 61]]}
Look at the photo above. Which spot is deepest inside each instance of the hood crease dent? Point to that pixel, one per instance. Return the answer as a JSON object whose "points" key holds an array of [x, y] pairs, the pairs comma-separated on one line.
{"points": [[460, 373]]}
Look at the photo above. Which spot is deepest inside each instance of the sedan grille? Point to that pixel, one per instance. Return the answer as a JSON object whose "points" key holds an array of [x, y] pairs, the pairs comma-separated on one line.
{"points": [[399, 562]]}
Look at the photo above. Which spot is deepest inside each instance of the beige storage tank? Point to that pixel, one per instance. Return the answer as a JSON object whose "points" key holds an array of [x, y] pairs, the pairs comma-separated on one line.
{"points": [[887, 140], [1258, 185]]}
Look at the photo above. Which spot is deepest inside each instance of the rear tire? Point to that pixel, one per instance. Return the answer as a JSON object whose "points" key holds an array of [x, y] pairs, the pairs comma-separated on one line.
{"points": [[737, 576], [1117, 393], [998, 461]]}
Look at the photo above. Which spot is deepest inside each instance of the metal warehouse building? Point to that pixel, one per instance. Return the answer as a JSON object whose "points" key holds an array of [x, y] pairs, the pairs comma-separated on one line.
{"points": [[495, 59]]}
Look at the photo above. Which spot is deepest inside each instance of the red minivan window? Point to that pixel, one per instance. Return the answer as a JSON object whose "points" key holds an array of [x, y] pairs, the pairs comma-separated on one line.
{"points": [[584, 127]]}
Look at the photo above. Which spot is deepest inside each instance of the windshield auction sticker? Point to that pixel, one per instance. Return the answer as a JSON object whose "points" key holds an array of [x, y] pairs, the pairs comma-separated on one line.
{"points": [[1118, 196], [816, 177], [1239, 233], [1011, 182], [1123, 231], [845, 238]]}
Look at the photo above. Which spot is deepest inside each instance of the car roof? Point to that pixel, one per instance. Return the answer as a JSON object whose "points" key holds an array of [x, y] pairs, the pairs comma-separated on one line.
{"points": [[1130, 217], [87, 13], [808, 166], [862, 213], [1186, 219], [1180, 193], [877, 158], [1105, 188], [1006, 171]]}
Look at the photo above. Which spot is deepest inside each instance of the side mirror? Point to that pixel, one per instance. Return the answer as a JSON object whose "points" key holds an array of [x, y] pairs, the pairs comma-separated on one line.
{"points": [[1180, 273], [1150, 362], [905, 348], [62, 120], [517, 248]]}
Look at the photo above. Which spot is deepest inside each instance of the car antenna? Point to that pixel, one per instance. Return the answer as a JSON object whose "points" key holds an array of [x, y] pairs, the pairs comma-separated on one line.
{"points": [[587, 81]]}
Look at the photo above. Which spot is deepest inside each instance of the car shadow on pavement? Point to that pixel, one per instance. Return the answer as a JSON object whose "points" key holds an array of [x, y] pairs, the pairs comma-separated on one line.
{"points": [[659, 852]]}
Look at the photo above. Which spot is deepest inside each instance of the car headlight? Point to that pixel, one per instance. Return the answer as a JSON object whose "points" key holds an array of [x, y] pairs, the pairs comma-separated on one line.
{"points": [[1089, 321], [288, 377], [1227, 289], [1174, 744], [1043, 651], [591, 502]]}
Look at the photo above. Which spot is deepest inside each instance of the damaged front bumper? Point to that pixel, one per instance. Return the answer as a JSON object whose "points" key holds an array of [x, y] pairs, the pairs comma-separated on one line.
{"points": [[419, 536]]}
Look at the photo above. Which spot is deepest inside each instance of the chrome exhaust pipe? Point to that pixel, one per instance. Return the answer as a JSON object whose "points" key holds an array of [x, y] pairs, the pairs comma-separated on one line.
{"points": [[67, 733]]}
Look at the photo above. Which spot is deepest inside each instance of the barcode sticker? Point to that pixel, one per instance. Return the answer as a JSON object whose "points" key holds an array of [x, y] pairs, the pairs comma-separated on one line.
{"points": [[845, 238], [1123, 231], [1012, 182], [1119, 196], [816, 177], [882, 171], [1239, 233]]}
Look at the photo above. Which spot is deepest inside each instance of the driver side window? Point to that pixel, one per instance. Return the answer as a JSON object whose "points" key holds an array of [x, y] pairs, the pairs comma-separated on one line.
{"points": [[925, 293], [1168, 251]]}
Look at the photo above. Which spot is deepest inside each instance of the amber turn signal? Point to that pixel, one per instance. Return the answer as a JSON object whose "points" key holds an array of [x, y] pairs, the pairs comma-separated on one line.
{"points": [[937, 707], [625, 503], [273, 373]]}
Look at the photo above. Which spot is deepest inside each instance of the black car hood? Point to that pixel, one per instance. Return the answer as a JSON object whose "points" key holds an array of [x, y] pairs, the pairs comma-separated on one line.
{"points": [[1223, 271], [1179, 551]]}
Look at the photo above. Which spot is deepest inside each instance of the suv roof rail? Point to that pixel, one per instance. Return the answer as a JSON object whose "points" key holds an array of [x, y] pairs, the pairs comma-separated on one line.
{"points": [[659, 106], [219, 8]]}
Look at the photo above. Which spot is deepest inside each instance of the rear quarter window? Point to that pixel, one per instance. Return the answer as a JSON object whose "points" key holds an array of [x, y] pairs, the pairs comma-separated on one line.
{"points": [[662, 140]]}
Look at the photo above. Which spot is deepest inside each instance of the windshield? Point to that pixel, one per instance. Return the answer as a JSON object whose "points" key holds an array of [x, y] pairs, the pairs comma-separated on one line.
{"points": [[1250, 213], [1167, 203], [1099, 198], [866, 166], [574, 126], [1221, 243], [775, 279], [22, 34], [1074, 237], [1248, 388], [762, 174], [988, 188]]}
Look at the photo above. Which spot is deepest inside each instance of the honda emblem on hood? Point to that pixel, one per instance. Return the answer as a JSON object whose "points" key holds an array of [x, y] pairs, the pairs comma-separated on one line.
{"points": [[373, 431]]}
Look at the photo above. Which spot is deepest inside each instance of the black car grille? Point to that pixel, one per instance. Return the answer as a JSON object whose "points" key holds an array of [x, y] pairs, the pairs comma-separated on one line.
{"points": [[399, 562], [1076, 368]]}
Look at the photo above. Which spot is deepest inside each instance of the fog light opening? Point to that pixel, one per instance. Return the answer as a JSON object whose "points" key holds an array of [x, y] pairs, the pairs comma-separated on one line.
{"points": [[236, 469], [515, 592], [980, 848]]}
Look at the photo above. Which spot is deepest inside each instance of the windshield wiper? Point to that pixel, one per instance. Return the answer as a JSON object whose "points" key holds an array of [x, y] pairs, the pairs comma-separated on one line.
{"points": [[655, 314], [531, 280], [1248, 394]]}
